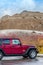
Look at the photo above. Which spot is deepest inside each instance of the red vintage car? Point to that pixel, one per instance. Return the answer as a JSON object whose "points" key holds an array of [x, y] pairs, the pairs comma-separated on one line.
{"points": [[14, 47]]}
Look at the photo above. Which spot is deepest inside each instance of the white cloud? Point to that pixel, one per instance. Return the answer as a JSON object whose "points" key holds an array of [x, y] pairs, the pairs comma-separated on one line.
{"points": [[10, 8], [7, 12]]}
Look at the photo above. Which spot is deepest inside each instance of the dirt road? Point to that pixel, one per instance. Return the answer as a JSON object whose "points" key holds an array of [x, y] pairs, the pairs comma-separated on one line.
{"points": [[21, 61]]}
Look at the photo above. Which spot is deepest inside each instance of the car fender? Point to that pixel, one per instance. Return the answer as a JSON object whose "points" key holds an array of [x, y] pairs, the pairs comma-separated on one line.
{"points": [[30, 49]]}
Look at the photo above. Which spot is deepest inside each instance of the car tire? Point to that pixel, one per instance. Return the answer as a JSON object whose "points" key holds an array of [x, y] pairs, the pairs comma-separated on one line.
{"points": [[25, 56], [32, 54], [1, 55]]}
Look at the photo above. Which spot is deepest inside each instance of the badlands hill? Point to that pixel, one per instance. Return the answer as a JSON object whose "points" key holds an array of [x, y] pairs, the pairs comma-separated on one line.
{"points": [[25, 20]]}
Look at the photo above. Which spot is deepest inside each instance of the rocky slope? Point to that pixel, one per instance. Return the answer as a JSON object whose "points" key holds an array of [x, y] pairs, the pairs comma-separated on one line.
{"points": [[25, 20]]}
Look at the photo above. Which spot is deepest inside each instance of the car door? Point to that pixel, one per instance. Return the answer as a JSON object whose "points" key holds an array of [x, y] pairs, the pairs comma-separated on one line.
{"points": [[16, 46], [6, 46]]}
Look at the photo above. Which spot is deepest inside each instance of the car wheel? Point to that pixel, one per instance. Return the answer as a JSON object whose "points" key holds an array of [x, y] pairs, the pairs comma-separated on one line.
{"points": [[32, 54], [1, 55]]}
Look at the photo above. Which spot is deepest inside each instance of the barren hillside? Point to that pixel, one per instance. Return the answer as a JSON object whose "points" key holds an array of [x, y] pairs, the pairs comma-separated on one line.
{"points": [[25, 20]]}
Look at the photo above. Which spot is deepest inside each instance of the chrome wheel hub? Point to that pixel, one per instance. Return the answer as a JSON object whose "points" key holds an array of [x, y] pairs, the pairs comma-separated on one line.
{"points": [[33, 54]]}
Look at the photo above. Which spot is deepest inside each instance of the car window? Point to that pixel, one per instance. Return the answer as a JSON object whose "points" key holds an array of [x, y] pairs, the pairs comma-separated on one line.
{"points": [[6, 41], [0, 41], [15, 41]]}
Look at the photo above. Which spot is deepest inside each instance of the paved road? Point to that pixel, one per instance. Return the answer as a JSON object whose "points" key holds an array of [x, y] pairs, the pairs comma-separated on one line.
{"points": [[21, 61]]}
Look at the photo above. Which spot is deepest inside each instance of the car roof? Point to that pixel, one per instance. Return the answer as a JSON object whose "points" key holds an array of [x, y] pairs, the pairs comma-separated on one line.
{"points": [[8, 38]]}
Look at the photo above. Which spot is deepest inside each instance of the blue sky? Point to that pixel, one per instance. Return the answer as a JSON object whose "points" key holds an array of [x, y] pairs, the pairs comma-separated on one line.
{"points": [[10, 7]]}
